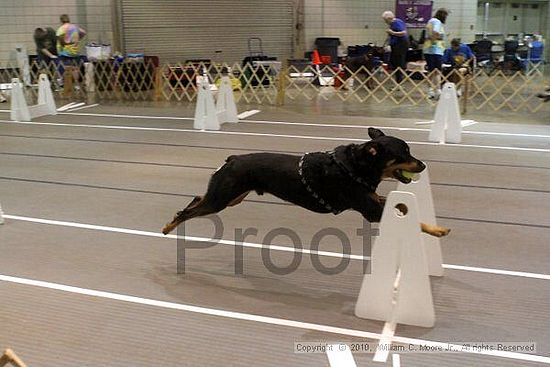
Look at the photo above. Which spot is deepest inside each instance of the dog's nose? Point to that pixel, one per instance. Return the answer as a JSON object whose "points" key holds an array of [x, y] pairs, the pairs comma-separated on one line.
{"points": [[421, 166]]}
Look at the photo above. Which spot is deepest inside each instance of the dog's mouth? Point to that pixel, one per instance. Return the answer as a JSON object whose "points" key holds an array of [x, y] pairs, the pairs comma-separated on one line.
{"points": [[399, 175], [407, 175]]}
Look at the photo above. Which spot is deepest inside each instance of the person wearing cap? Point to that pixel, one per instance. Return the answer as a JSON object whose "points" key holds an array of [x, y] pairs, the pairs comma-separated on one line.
{"points": [[434, 47], [399, 43]]}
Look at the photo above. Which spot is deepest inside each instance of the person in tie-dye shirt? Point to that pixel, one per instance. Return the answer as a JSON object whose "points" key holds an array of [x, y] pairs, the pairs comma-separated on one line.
{"points": [[68, 38], [434, 48]]}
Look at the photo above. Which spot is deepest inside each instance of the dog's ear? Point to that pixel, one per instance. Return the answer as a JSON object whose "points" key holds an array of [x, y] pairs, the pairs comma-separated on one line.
{"points": [[375, 133], [372, 148]]}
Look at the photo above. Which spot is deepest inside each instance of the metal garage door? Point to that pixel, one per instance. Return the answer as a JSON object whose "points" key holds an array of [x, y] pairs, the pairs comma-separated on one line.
{"points": [[177, 30]]}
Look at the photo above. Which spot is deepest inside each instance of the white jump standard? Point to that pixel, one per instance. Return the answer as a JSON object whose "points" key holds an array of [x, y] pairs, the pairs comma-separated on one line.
{"points": [[21, 111], [398, 288], [208, 114], [447, 127]]}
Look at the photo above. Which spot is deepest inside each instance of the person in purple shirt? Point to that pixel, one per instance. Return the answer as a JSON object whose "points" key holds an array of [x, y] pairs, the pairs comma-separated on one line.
{"points": [[399, 43]]}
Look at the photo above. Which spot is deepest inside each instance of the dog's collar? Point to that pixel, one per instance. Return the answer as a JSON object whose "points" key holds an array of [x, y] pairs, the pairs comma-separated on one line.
{"points": [[321, 201], [370, 186]]}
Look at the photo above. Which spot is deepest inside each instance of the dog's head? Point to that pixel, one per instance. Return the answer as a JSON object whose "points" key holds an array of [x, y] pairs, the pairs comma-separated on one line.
{"points": [[390, 156]]}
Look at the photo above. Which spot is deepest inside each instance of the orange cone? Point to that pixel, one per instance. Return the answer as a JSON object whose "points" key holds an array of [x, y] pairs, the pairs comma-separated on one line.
{"points": [[316, 59]]}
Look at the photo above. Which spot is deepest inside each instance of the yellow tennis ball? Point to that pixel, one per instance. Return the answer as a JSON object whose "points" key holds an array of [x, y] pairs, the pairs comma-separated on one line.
{"points": [[410, 175]]}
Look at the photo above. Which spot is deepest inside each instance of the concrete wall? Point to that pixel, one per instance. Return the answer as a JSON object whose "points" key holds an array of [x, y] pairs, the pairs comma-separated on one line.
{"points": [[359, 21], [19, 18], [353, 21]]}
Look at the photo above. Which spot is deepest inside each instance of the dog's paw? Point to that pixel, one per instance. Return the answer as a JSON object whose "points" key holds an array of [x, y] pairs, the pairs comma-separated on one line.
{"points": [[436, 231], [167, 228]]}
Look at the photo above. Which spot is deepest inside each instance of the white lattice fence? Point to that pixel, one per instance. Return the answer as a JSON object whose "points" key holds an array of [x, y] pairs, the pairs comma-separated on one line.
{"points": [[266, 84], [506, 91]]}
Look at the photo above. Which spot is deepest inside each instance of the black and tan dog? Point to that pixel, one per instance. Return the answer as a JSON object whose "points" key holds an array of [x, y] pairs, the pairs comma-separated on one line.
{"points": [[323, 182]]}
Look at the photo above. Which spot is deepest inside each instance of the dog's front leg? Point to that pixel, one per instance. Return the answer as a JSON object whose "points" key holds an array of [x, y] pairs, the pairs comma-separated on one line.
{"points": [[434, 230]]}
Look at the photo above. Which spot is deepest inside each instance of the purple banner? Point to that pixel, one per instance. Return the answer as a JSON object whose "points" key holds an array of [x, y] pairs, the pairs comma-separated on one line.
{"points": [[415, 13]]}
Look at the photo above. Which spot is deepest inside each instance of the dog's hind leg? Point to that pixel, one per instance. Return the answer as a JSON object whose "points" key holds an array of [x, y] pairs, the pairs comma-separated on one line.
{"points": [[226, 188], [197, 208], [238, 199], [201, 206]]}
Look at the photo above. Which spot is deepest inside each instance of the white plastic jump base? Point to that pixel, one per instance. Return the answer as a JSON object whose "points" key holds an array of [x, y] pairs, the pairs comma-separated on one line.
{"points": [[225, 107], [397, 251], [205, 111], [447, 126], [432, 247], [208, 115], [21, 111]]}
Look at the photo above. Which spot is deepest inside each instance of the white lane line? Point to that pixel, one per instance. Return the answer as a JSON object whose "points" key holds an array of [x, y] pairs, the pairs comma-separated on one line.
{"points": [[365, 127], [141, 117], [309, 124], [306, 137], [246, 114], [260, 246], [383, 350], [464, 123], [396, 360], [264, 319], [499, 272], [339, 355], [320, 125], [187, 238], [83, 107]]}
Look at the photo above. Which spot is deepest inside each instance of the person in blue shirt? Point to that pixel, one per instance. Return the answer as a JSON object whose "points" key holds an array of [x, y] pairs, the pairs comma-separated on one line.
{"points": [[399, 43], [460, 59], [459, 55]]}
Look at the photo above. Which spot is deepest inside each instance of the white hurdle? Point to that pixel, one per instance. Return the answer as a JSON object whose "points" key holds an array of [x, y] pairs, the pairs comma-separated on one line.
{"points": [[447, 126], [398, 288], [225, 107], [209, 115], [21, 111], [432, 247], [1, 215], [205, 111]]}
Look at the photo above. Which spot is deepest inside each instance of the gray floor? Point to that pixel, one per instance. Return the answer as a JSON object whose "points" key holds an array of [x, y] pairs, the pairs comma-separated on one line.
{"points": [[496, 200]]}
